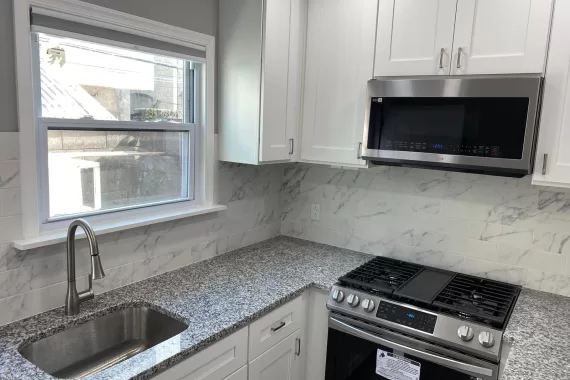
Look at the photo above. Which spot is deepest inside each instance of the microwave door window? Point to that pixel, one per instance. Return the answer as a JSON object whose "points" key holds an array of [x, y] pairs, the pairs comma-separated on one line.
{"points": [[485, 127]]}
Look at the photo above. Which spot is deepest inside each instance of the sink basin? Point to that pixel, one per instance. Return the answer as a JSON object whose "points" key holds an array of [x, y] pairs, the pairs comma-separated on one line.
{"points": [[101, 343]]}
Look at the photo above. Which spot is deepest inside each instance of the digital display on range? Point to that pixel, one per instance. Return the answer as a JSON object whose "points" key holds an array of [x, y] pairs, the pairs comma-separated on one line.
{"points": [[407, 317]]}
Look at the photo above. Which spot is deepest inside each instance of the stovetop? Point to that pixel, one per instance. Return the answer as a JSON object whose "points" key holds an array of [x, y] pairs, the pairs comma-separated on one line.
{"points": [[461, 312], [479, 300]]}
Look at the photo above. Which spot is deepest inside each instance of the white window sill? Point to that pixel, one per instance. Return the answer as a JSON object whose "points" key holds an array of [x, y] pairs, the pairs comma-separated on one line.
{"points": [[60, 236]]}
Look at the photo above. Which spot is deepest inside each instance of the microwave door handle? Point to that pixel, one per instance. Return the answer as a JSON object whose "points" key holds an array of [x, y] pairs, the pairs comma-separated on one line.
{"points": [[447, 362]]}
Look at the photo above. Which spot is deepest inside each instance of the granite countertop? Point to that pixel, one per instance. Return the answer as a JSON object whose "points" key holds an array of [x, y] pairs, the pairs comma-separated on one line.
{"points": [[214, 297], [219, 296], [538, 331]]}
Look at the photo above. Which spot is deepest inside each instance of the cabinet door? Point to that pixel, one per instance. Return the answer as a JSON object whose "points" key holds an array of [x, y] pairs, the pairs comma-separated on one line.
{"points": [[339, 62], [274, 134], [240, 374], [414, 37], [554, 137], [213, 363], [281, 362], [501, 36]]}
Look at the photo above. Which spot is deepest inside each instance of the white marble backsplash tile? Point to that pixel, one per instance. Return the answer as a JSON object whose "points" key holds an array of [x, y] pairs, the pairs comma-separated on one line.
{"points": [[35, 281], [494, 227]]}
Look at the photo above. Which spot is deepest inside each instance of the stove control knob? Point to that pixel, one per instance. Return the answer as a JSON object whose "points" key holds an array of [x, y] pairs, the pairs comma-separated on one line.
{"points": [[368, 305], [353, 300], [486, 339], [465, 333], [338, 296]]}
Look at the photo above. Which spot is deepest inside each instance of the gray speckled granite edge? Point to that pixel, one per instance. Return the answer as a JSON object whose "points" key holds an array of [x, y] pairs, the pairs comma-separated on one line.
{"points": [[538, 333], [214, 297]]}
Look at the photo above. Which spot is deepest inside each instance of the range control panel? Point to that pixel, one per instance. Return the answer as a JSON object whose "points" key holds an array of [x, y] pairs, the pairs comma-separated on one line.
{"points": [[407, 317]]}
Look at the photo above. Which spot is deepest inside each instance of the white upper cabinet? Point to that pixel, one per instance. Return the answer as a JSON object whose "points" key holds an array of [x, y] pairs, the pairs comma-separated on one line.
{"points": [[501, 36], [462, 37], [339, 62], [260, 62], [414, 37], [554, 137]]}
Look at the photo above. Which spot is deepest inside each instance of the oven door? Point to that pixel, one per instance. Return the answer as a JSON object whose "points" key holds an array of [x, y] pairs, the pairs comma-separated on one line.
{"points": [[358, 354]]}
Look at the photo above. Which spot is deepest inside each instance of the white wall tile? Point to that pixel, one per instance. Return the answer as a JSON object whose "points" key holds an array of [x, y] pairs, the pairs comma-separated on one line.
{"points": [[10, 202], [9, 174], [9, 146], [10, 228], [27, 304], [500, 228], [33, 281]]}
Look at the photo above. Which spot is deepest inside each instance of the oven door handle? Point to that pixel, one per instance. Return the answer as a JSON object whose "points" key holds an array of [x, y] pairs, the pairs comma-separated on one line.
{"points": [[454, 364]]}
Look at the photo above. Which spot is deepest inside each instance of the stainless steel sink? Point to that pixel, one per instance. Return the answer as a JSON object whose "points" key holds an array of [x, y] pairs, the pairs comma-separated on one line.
{"points": [[101, 343]]}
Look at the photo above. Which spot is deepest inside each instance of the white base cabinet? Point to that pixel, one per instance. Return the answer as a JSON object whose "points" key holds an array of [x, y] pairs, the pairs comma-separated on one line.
{"points": [[317, 334], [216, 362], [240, 374], [272, 348], [281, 362]]}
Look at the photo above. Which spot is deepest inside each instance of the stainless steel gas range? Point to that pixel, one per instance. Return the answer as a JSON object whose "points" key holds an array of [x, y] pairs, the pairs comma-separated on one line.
{"points": [[400, 321]]}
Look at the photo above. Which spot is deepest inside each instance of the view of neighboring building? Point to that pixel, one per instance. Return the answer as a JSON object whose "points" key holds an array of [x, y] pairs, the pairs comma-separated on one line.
{"points": [[96, 170]]}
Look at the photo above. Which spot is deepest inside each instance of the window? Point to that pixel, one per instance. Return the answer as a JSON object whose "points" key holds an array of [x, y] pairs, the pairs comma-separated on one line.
{"points": [[116, 120], [117, 125]]}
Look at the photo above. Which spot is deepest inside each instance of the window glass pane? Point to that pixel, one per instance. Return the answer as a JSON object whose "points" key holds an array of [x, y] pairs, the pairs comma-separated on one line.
{"points": [[92, 171], [81, 79]]}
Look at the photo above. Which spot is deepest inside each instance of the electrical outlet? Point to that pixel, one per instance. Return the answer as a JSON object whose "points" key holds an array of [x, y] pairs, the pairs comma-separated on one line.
{"points": [[315, 211]]}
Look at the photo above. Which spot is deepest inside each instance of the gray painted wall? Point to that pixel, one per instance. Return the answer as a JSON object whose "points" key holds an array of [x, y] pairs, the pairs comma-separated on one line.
{"points": [[198, 15], [8, 110]]}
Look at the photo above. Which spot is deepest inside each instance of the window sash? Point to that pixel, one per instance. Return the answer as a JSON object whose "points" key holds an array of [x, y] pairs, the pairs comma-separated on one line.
{"points": [[189, 149]]}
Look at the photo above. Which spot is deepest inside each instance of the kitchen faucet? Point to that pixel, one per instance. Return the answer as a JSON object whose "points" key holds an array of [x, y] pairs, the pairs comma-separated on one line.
{"points": [[73, 298]]}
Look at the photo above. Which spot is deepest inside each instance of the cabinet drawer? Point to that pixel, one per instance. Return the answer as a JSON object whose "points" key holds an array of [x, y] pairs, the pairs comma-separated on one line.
{"points": [[240, 374], [214, 363], [276, 326]]}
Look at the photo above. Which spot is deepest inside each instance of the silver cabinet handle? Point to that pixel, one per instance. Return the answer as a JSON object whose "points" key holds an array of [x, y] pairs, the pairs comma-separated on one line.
{"points": [[441, 54], [291, 146], [459, 51], [298, 346], [358, 155], [444, 361], [278, 327], [544, 163]]}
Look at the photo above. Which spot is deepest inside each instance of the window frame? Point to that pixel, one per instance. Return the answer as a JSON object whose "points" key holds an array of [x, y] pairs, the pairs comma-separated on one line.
{"points": [[33, 130], [45, 123]]}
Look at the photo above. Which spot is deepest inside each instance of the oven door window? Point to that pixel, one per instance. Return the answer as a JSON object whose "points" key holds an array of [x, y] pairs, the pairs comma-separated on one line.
{"points": [[479, 127], [352, 358]]}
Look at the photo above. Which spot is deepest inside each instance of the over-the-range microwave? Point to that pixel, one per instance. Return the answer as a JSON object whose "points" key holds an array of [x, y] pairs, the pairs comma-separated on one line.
{"points": [[483, 125]]}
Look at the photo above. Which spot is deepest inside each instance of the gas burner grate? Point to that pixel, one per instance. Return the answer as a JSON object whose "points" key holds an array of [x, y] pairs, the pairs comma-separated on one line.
{"points": [[477, 299], [380, 275]]}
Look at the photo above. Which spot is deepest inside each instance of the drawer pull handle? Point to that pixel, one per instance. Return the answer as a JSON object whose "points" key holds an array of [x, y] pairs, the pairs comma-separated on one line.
{"points": [[277, 328], [459, 52]]}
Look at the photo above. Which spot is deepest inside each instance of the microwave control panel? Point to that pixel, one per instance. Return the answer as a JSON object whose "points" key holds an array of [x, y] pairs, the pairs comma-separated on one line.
{"points": [[455, 149], [407, 317]]}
